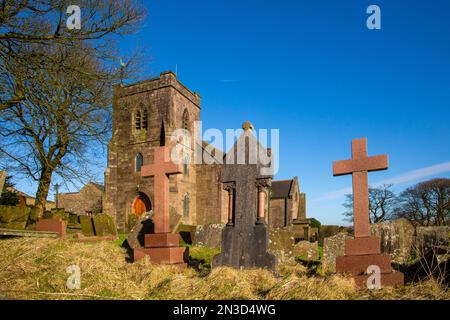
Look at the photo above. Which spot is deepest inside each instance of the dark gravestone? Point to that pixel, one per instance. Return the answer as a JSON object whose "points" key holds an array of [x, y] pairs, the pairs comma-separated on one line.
{"points": [[245, 238], [144, 225], [87, 227], [104, 225]]}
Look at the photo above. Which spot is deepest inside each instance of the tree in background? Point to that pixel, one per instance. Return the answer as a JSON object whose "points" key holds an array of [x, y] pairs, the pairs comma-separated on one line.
{"points": [[56, 86], [63, 123], [427, 203], [43, 22], [8, 197], [315, 223], [382, 204]]}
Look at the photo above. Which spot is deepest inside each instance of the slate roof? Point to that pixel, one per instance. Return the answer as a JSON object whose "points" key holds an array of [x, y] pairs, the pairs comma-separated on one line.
{"points": [[281, 188]]}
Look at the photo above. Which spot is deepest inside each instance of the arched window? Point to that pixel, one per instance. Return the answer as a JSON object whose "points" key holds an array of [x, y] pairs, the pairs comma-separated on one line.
{"points": [[145, 119], [185, 120], [139, 161], [137, 120], [186, 205]]}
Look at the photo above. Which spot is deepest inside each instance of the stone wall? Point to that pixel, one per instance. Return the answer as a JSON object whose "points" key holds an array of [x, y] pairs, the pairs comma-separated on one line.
{"points": [[427, 237], [212, 204], [327, 231], [88, 200]]}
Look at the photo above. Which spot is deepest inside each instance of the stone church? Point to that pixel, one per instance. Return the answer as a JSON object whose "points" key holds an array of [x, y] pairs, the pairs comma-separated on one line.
{"points": [[145, 115]]}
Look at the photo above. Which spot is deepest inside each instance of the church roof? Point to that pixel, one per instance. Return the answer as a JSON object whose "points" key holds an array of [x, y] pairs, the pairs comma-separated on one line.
{"points": [[281, 188], [251, 145]]}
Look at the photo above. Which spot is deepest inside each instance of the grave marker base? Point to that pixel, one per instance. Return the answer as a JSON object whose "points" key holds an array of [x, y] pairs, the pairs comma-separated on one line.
{"points": [[162, 248], [360, 253]]}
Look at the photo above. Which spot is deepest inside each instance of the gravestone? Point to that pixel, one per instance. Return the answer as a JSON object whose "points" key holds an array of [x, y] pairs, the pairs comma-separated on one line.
{"points": [[333, 247], [245, 238], [397, 238], [143, 225], [87, 227], [2, 180], [104, 225], [162, 246], [52, 225], [14, 217], [364, 250], [209, 235]]}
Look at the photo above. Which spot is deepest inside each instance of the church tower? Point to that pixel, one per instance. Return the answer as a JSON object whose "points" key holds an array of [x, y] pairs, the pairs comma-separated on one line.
{"points": [[145, 115]]}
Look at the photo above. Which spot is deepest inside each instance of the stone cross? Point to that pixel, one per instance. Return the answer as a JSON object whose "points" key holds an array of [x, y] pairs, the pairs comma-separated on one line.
{"points": [[359, 166], [2, 180], [161, 168]]}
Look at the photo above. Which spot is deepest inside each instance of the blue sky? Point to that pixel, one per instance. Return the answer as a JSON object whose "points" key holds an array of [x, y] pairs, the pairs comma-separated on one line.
{"points": [[313, 70]]}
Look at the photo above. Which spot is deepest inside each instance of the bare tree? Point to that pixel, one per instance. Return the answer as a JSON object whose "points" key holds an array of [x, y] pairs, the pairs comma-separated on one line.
{"points": [[55, 85], [426, 203], [382, 203], [24, 22], [62, 124]]}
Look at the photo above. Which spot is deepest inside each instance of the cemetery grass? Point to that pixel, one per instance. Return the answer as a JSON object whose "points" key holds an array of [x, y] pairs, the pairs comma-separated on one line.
{"points": [[36, 269]]}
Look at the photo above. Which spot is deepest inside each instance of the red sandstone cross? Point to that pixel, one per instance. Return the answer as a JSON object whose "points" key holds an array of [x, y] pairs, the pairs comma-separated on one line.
{"points": [[161, 168], [358, 166]]}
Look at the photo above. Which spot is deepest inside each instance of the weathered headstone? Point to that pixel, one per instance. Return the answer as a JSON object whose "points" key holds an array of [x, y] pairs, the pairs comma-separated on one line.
{"points": [[397, 238], [363, 251], [281, 245], [2, 180], [104, 225], [333, 247], [162, 246], [52, 225], [245, 238], [14, 217], [209, 235], [306, 250], [87, 227]]}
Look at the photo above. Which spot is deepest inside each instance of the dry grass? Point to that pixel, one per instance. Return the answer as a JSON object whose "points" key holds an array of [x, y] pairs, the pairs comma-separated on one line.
{"points": [[36, 269]]}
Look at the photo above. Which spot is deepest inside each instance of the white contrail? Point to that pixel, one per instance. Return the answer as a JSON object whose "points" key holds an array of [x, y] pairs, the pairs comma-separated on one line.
{"points": [[409, 176]]}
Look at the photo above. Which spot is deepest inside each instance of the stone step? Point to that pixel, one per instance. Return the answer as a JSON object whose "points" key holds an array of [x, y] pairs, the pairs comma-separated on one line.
{"points": [[358, 264], [170, 255], [387, 279], [161, 240], [362, 246]]}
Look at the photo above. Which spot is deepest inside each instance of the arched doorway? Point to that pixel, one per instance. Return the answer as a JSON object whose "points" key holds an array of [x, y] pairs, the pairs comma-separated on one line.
{"points": [[141, 204]]}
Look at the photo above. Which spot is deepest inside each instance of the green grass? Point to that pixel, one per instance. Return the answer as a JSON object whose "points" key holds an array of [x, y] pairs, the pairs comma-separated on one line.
{"points": [[121, 237], [203, 253]]}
